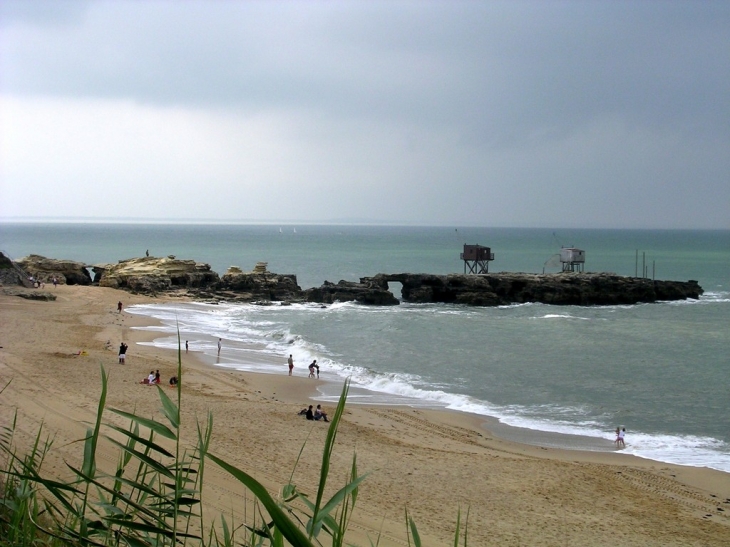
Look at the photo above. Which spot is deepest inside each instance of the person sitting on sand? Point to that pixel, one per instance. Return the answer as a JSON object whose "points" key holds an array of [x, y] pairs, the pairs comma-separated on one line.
{"points": [[309, 413], [173, 381], [150, 380], [320, 414]]}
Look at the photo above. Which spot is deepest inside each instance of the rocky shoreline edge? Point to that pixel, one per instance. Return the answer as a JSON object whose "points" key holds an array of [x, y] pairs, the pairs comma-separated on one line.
{"points": [[171, 276]]}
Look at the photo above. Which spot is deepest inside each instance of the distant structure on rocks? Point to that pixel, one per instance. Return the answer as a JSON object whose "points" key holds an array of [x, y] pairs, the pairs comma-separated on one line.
{"points": [[572, 259], [476, 259]]}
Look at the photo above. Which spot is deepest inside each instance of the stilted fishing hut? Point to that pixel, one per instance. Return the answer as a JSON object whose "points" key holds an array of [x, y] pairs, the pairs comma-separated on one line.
{"points": [[572, 259], [476, 259]]}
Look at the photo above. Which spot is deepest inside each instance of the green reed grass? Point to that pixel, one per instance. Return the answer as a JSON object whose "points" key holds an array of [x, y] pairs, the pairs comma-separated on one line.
{"points": [[154, 496]]}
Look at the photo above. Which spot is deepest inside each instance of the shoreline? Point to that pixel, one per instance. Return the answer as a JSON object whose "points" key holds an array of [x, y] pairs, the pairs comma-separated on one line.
{"points": [[432, 461], [245, 358]]}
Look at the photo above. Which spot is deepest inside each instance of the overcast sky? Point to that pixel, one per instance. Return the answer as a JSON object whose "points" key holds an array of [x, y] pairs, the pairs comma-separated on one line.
{"points": [[532, 114]]}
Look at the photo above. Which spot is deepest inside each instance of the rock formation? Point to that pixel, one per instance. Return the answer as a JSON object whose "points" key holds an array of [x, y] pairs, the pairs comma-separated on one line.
{"points": [[368, 291], [151, 275], [565, 289], [30, 294], [10, 274], [258, 285], [45, 269]]}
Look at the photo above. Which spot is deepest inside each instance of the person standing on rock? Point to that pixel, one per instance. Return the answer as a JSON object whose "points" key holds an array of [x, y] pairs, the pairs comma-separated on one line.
{"points": [[291, 364]]}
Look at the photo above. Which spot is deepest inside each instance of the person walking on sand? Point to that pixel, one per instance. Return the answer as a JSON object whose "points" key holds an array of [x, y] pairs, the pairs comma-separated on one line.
{"points": [[291, 364], [220, 343], [119, 307]]}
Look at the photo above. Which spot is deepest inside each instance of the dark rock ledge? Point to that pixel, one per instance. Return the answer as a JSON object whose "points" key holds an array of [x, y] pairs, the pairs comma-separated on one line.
{"points": [[565, 289], [172, 276]]}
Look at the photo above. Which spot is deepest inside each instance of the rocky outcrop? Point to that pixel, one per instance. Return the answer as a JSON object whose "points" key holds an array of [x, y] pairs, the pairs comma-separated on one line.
{"points": [[567, 288], [11, 274], [258, 285], [29, 294], [151, 275], [369, 291], [66, 272]]}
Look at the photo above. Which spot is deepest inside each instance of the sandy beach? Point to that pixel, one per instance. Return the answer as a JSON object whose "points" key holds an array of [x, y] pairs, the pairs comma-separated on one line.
{"points": [[432, 462]]}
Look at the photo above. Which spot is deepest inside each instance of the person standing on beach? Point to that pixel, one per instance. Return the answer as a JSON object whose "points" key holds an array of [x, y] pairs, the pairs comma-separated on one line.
{"points": [[119, 307], [186, 346], [122, 352], [220, 342], [291, 364], [621, 436]]}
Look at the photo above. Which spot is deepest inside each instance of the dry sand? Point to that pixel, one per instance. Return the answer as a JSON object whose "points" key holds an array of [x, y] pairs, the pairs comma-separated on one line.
{"points": [[431, 462]]}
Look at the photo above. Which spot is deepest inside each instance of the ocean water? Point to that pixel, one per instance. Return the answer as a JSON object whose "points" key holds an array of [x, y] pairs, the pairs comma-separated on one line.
{"points": [[661, 370]]}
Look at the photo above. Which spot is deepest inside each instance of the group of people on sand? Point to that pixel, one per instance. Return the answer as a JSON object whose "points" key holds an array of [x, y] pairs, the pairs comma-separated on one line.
{"points": [[38, 283], [152, 379], [316, 414], [620, 434]]}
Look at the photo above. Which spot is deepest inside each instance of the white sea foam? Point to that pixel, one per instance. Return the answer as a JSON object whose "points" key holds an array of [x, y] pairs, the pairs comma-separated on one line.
{"points": [[560, 316]]}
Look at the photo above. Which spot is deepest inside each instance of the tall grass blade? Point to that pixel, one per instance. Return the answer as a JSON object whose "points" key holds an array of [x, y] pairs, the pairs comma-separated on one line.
{"points": [[458, 525], [281, 521], [411, 527], [169, 409], [157, 427], [329, 444]]}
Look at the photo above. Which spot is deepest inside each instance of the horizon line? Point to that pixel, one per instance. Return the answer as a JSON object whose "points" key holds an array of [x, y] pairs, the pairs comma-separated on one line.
{"points": [[331, 222]]}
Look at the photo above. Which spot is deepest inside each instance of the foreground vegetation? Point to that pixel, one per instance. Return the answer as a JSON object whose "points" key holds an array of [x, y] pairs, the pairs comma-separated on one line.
{"points": [[154, 497]]}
